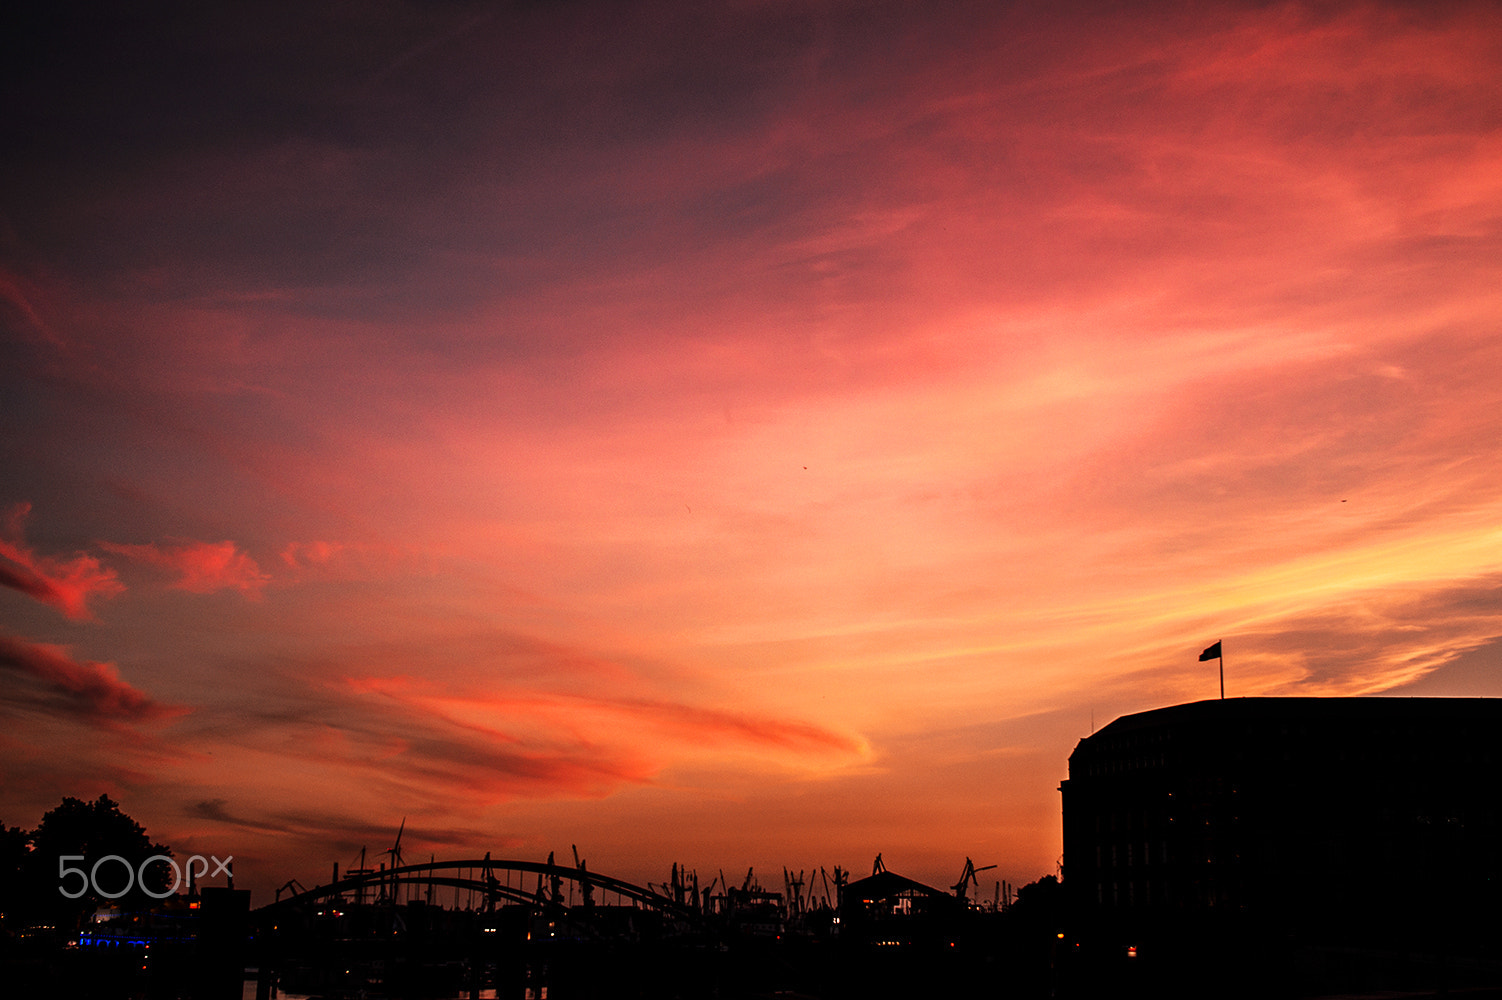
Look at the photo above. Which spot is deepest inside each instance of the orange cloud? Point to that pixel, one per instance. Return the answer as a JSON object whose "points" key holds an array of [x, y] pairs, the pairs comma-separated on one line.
{"points": [[626, 719], [692, 723], [66, 584], [201, 567], [64, 685]]}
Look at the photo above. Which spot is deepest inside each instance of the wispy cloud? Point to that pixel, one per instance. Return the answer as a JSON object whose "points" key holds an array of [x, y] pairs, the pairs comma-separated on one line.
{"points": [[216, 811], [301, 555], [66, 584], [47, 677], [372, 744], [329, 831], [201, 567], [632, 720]]}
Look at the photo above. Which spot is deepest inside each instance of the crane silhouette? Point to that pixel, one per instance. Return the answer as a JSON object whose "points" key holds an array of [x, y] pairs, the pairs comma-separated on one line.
{"points": [[967, 879]]}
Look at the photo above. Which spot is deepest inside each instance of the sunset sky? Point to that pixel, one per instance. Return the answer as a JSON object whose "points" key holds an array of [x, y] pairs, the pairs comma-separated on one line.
{"points": [[746, 433]]}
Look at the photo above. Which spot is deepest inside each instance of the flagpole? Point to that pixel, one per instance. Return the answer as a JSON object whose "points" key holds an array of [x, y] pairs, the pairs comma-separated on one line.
{"points": [[1217, 650]]}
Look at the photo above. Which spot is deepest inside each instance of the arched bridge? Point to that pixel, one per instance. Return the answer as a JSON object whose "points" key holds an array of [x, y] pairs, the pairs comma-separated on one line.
{"points": [[486, 882]]}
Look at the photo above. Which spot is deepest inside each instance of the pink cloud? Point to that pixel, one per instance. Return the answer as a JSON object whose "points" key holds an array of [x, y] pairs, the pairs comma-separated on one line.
{"points": [[345, 560], [66, 584], [202, 567], [87, 689], [299, 555]]}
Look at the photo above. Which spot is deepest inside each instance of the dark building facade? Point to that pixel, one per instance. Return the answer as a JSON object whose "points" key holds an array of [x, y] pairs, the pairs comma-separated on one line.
{"points": [[1344, 821]]}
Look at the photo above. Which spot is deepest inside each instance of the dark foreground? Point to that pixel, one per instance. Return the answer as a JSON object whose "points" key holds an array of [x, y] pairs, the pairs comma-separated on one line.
{"points": [[516, 953]]}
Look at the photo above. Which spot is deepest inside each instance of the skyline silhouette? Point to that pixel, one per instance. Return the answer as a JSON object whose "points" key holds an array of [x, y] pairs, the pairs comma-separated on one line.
{"points": [[1253, 846]]}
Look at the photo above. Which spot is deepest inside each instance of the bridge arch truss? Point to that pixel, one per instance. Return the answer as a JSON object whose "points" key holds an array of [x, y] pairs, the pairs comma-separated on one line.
{"points": [[481, 878]]}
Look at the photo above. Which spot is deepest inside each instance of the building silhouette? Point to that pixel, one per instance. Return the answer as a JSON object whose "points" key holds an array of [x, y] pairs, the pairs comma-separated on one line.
{"points": [[1359, 823]]}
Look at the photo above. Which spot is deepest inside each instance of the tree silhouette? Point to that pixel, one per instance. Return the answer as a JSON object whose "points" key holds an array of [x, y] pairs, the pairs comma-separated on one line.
{"points": [[13, 863], [84, 833]]}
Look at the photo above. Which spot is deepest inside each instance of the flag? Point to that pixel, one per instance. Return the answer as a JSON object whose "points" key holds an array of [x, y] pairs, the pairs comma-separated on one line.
{"points": [[1211, 652]]}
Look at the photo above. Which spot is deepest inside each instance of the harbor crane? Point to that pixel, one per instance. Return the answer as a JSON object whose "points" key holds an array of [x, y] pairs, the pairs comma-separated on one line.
{"points": [[967, 879], [294, 885], [585, 885]]}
